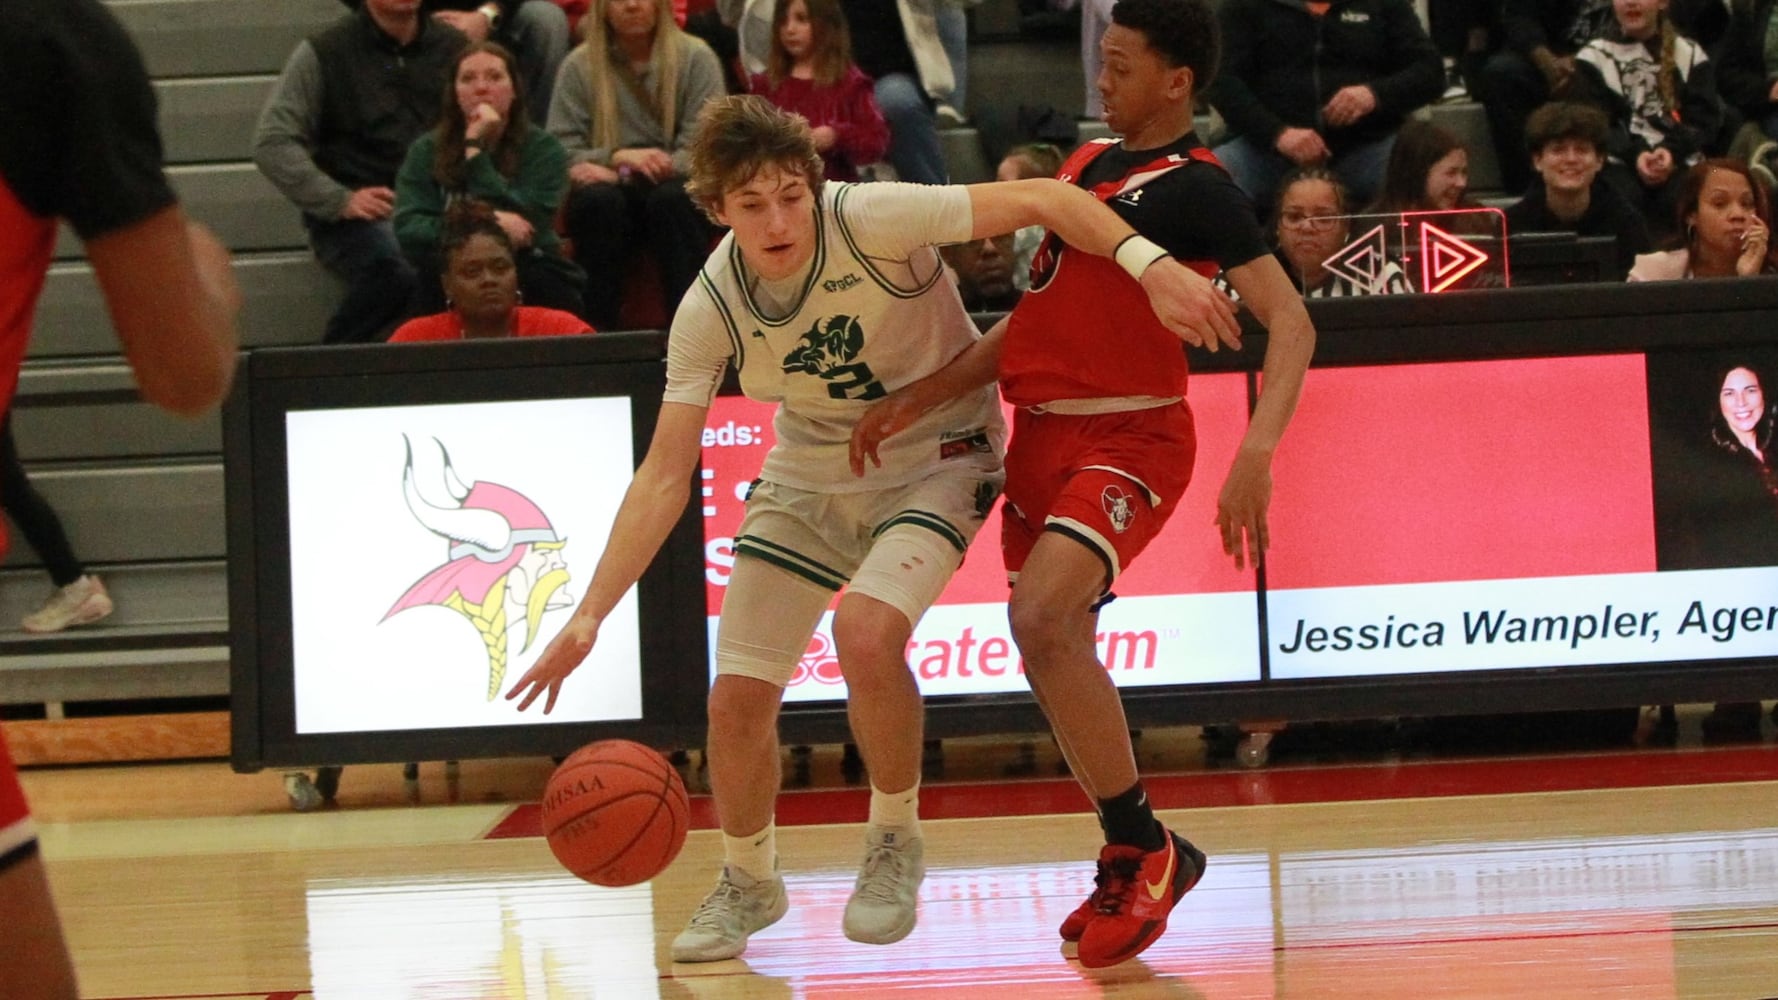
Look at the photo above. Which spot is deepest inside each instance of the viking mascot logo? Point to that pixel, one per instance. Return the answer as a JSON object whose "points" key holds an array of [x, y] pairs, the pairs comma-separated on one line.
{"points": [[504, 562]]}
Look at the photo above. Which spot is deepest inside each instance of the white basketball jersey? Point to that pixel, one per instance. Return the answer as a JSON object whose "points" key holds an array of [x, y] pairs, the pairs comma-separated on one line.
{"points": [[874, 312]]}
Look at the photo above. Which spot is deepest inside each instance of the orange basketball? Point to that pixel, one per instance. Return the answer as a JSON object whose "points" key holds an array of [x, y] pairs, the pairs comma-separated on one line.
{"points": [[615, 813]]}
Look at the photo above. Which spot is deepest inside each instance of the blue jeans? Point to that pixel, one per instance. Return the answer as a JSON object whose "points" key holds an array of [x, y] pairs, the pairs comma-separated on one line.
{"points": [[538, 36], [953, 35], [379, 280], [914, 150], [1258, 169]]}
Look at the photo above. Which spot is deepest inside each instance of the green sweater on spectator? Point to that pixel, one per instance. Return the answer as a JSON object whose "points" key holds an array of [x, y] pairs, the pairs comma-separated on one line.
{"points": [[535, 191]]}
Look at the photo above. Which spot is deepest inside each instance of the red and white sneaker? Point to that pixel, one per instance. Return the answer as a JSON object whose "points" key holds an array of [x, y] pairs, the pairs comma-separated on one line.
{"points": [[1139, 891]]}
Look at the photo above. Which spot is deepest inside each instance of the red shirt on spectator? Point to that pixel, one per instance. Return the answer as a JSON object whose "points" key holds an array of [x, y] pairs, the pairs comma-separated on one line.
{"points": [[530, 321], [849, 107]]}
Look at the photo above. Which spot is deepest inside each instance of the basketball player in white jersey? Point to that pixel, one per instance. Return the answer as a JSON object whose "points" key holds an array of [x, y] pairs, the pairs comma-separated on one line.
{"points": [[826, 297]]}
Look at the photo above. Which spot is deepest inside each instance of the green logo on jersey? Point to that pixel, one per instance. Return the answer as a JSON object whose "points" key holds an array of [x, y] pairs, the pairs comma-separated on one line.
{"points": [[827, 351]]}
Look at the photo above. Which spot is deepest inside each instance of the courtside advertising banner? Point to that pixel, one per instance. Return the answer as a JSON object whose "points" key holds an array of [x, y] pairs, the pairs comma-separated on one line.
{"points": [[1496, 514], [434, 552], [1476, 515], [1183, 613]]}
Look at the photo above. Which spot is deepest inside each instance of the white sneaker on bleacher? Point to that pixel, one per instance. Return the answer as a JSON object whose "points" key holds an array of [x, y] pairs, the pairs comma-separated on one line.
{"points": [[80, 603]]}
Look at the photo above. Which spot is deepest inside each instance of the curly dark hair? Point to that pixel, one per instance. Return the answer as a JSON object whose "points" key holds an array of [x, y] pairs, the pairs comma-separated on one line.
{"points": [[1182, 31], [464, 221]]}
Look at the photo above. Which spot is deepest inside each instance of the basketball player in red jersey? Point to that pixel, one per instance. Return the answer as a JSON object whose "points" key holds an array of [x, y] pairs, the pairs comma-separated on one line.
{"points": [[78, 142], [1100, 391]]}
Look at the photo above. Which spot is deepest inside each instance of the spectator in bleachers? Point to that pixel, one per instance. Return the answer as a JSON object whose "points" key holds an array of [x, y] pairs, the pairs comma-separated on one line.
{"points": [[1311, 224], [1567, 145], [486, 150], [897, 44], [351, 99], [810, 72], [1307, 84], [1659, 90], [982, 270], [1033, 159], [625, 107], [915, 51], [535, 31], [1725, 218], [480, 279], [1428, 171], [80, 597], [1536, 65], [1747, 78]]}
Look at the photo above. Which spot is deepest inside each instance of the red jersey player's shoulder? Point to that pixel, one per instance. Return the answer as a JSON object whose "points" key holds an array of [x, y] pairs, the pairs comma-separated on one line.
{"points": [[1197, 212]]}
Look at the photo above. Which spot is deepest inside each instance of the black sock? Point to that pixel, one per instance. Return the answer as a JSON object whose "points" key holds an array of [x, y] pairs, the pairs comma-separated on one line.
{"points": [[1128, 819]]}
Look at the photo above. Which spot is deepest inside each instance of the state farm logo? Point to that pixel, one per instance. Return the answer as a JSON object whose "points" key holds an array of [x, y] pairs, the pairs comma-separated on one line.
{"points": [[820, 661]]}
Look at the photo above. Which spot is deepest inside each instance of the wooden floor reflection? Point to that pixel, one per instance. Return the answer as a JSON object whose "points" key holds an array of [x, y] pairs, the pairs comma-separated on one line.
{"points": [[1656, 893]]}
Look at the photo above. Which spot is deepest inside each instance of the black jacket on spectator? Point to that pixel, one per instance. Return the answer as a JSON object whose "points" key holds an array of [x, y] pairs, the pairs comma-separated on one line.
{"points": [[380, 96], [1741, 66], [1696, 128], [1562, 26], [1607, 214], [1281, 64]]}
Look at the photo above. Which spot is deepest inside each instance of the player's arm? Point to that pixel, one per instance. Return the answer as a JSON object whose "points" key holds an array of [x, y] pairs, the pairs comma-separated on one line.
{"points": [[650, 508], [173, 299], [978, 365], [1182, 299], [1290, 343]]}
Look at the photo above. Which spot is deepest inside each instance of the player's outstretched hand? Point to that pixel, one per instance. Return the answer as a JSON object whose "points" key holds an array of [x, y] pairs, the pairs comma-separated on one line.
{"points": [[890, 415], [1241, 508], [1191, 306], [564, 653]]}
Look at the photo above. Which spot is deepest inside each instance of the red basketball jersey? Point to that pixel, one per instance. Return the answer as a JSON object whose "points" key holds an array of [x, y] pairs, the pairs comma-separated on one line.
{"points": [[15, 819], [26, 242], [1085, 329]]}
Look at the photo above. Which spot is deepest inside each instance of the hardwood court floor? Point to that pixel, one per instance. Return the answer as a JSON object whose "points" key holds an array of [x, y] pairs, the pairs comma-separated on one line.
{"points": [[186, 880]]}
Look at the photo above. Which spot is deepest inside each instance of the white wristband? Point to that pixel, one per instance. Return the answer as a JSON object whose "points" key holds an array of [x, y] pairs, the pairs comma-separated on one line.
{"points": [[1136, 253]]}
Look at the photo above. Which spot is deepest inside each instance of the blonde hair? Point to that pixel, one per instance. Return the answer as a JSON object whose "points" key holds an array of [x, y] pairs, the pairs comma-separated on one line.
{"points": [[667, 57], [1668, 77]]}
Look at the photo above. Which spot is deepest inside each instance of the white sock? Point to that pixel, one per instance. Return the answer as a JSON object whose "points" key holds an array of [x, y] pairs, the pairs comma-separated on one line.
{"points": [[755, 855], [899, 811]]}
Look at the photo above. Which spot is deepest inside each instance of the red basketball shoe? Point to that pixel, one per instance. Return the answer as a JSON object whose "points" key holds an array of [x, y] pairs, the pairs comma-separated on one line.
{"points": [[1139, 891], [1075, 924]]}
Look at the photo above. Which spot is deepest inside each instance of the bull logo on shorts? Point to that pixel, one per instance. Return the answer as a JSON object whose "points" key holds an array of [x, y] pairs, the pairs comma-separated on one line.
{"points": [[1118, 507], [827, 351]]}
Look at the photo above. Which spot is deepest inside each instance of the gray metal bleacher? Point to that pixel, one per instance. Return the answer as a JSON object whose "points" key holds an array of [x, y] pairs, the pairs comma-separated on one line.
{"points": [[140, 491]]}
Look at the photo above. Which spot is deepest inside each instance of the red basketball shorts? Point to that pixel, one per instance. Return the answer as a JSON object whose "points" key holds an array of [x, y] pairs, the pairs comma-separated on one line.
{"points": [[1108, 480]]}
